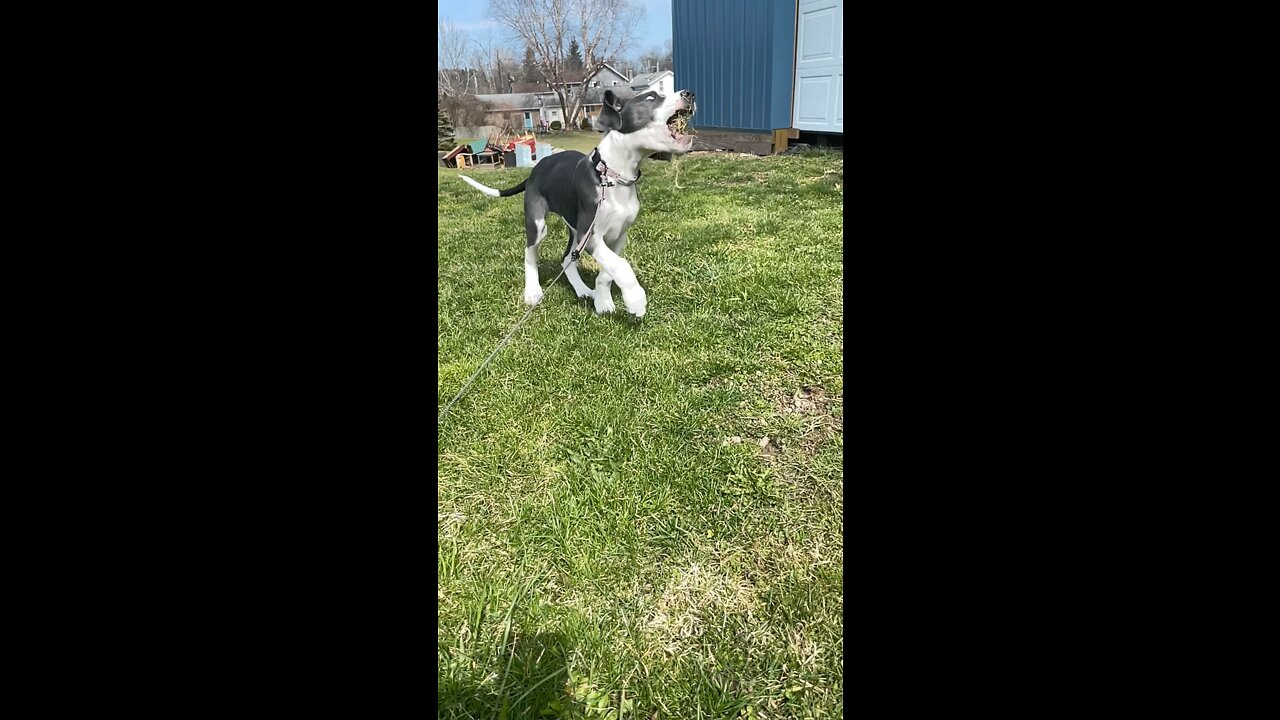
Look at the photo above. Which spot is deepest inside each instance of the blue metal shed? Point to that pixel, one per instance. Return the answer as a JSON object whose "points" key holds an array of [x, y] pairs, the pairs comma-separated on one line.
{"points": [[761, 65]]}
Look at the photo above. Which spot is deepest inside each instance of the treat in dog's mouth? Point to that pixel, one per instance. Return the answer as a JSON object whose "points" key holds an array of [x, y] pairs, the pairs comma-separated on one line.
{"points": [[678, 124]]}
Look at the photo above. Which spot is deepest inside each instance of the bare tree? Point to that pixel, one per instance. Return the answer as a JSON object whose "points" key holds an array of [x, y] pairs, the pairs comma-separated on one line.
{"points": [[495, 64], [656, 59], [465, 110], [602, 29], [627, 66], [463, 71], [481, 58], [505, 69], [452, 65]]}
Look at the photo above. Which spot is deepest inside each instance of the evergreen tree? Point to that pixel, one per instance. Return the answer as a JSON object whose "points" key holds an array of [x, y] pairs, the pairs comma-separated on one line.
{"points": [[574, 61], [444, 129], [531, 73]]}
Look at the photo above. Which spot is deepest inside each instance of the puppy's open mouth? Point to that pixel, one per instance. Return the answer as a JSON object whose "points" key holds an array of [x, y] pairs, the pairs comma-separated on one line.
{"points": [[678, 124]]}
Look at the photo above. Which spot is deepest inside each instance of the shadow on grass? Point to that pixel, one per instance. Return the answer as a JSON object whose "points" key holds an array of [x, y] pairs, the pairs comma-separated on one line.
{"points": [[534, 684], [551, 268], [548, 269]]}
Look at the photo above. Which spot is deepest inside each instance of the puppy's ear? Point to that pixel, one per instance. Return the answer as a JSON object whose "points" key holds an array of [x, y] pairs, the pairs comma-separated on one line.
{"points": [[609, 118], [611, 100]]}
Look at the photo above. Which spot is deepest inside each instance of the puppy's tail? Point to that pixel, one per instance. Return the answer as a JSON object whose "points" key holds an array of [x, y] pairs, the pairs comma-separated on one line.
{"points": [[494, 192]]}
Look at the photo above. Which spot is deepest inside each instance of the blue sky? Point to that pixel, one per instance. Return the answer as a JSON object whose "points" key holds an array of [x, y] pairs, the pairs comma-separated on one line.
{"points": [[655, 27]]}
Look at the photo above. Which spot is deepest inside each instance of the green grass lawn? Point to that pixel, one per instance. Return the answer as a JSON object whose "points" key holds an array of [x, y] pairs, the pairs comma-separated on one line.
{"points": [[617, 536], [582, 141]]}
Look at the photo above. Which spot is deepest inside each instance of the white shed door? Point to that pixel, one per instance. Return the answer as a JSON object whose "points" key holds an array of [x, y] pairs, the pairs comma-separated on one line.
{"points": [[819, 89]]}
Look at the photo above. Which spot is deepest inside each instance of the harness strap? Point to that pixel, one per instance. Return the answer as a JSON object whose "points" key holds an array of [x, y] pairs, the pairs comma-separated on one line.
{"points": [[609, 176]]}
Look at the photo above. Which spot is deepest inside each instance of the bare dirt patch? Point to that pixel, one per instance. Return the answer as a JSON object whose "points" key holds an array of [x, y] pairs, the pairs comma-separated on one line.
{"points": [[821, 413], [806, 400]]}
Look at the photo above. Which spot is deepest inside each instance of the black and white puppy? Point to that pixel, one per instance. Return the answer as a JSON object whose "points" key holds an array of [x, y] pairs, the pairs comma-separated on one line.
{"points": [[570, 184]]}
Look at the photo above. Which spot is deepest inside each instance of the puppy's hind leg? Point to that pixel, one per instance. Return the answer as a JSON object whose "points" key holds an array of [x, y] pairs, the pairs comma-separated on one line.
{"points": [[535, 229], [571, 268]]}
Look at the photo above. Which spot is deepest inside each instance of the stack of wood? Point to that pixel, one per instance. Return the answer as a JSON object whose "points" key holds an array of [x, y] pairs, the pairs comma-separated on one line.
{"points": [[464, 156]]}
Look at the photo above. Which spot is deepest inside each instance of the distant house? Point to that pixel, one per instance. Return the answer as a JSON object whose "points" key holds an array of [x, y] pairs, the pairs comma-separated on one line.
{"points": [[534, 105], [664, 83], [594, 101], [608, 77], [519, 110], [780, 72]]}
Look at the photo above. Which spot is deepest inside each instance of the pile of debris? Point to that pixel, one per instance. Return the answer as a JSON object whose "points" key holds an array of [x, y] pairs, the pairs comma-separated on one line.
{"points": [[518, 151], [480, 152]]}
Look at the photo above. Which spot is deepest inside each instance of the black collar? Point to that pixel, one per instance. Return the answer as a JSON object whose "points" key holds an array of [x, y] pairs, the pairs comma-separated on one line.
{"points": [[609, 176]]}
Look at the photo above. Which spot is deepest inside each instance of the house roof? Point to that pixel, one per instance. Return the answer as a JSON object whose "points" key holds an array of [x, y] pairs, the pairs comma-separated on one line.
{"points": [[641, 82], [570, 78], [595, 96], [530, 101], [529, 87], [617, 72], [512, 101], [577, 76]]}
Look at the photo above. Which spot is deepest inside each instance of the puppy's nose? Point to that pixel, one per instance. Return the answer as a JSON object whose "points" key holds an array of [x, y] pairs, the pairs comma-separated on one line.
{"points": [[686, 95]]}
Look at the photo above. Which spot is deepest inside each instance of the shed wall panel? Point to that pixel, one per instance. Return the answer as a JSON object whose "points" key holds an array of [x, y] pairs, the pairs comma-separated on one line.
{"points": [[737, 56]]}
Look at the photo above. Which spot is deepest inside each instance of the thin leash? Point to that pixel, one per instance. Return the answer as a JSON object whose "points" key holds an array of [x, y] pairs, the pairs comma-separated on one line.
{"points": [[564, 266], [474, 375]]}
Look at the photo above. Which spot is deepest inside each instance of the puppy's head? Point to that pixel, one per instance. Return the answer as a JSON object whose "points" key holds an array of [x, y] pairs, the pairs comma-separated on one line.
{"points": [[649, 119]]}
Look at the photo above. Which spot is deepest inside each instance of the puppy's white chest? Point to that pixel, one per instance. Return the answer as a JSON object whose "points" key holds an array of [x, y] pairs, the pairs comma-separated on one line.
{"points": [[618, 212]]}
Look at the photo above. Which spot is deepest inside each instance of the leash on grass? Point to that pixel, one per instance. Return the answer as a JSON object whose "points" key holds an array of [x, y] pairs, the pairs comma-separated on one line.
{"points": [[474, 375], [564, 267]]}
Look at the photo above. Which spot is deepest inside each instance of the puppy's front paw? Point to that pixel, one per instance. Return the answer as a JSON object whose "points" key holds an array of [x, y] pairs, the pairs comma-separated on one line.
{"points": [[637, 301], [532, 295], [604, 304]]}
